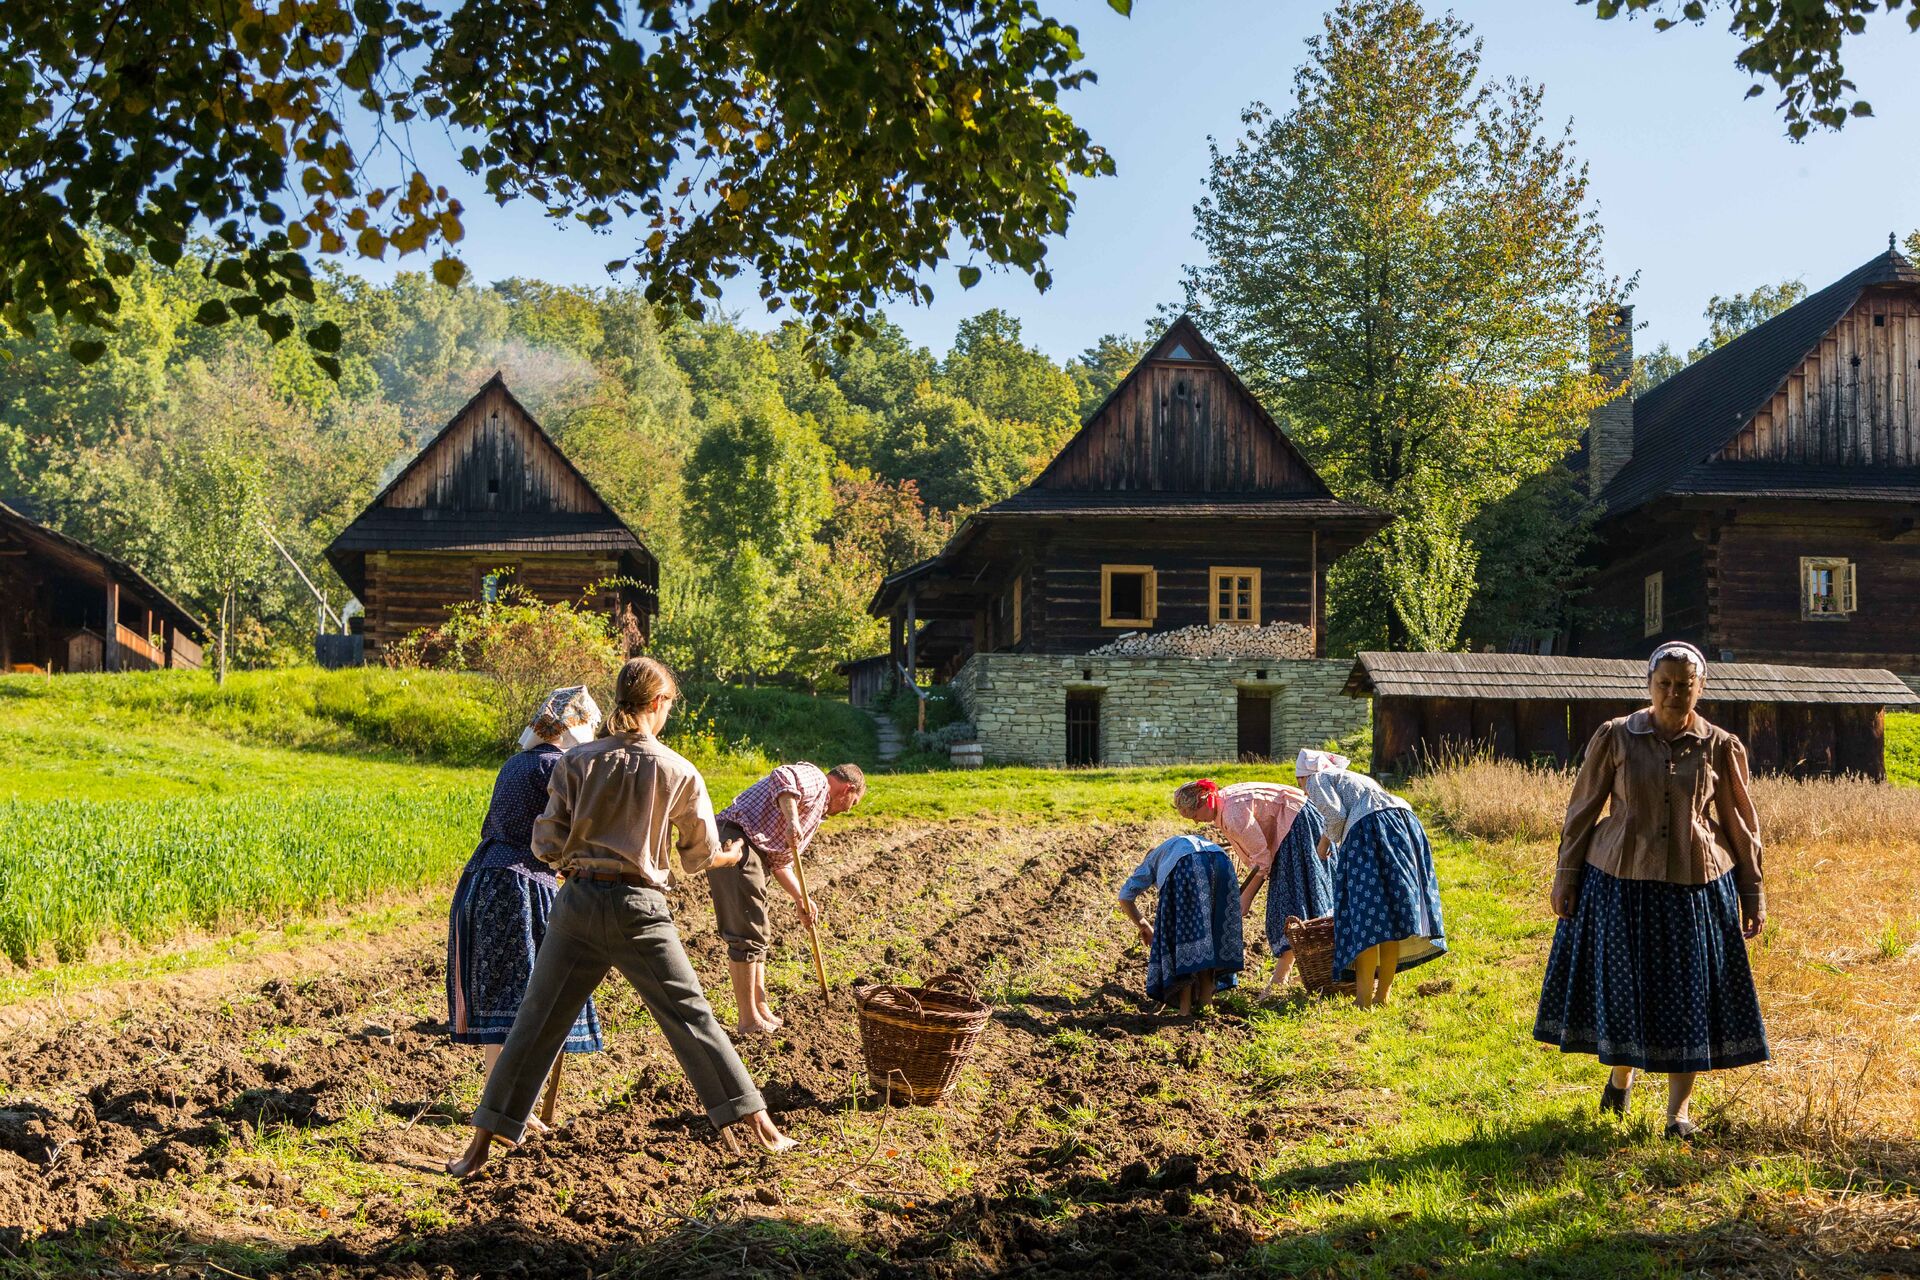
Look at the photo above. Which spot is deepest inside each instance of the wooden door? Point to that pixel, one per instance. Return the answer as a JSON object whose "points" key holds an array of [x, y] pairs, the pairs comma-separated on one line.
{"points": [[1083, 728], [1256, 727]]}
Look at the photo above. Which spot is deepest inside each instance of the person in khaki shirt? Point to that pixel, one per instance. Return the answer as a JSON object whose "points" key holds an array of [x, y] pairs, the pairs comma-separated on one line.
{"points": [[611, 806], [1656, 899]]}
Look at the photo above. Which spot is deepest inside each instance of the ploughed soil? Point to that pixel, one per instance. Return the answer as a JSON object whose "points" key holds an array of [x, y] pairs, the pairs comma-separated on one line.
{"points": [[297, 1125]]}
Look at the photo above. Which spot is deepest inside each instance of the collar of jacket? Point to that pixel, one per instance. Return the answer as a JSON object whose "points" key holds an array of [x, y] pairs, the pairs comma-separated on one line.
{"points": [[1641, 721]]}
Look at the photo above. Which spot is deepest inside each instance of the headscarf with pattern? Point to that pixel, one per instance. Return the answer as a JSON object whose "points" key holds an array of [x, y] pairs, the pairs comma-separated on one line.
{"points": [[566, 718], [1310, 762]]}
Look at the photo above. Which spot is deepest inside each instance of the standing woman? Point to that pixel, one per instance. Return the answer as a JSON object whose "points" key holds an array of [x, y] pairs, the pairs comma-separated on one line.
{"points": [[505, 894], [1649, 968], [1274, 831], [616, 808], [1386, 899]]}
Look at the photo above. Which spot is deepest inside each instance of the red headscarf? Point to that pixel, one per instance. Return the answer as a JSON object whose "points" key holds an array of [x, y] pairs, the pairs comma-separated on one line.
{"points": [[1209, 791]]}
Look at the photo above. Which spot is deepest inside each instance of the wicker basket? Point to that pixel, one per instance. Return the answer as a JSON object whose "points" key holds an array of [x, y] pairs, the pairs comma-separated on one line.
{"points": [[1312, 942], [916, 1039]]}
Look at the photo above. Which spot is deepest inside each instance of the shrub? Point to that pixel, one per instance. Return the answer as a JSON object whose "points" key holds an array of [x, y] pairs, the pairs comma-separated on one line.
{"points": [[942, 739]]}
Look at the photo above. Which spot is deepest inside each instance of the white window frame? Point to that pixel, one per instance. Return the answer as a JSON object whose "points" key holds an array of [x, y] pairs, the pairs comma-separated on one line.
{"points": [[1653, 603], [1842, 595]]}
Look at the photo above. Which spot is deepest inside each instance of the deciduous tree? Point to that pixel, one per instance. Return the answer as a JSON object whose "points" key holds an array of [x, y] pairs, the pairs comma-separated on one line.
{"points": [[1403, 265]]}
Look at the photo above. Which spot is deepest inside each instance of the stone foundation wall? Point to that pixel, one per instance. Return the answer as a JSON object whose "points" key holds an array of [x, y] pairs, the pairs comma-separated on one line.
{"points": [[1152, 710]]}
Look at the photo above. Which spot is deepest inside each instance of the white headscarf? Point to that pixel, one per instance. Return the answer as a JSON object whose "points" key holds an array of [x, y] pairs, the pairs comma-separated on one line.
{"points": [[1310, 762], [566, 717], [1678, 649]]}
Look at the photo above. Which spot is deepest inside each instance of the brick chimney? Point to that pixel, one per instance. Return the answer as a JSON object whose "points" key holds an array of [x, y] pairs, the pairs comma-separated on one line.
{"points": [[1610, 427]]}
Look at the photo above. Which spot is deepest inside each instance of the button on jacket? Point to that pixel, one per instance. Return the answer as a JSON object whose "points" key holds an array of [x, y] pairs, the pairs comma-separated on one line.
{"points": [[610, 803], [1680, 811]]}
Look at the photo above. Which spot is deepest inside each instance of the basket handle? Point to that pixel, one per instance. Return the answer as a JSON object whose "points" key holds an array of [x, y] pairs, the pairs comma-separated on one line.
{"points": [[1294, 922], [868, 994], [955, 979]]}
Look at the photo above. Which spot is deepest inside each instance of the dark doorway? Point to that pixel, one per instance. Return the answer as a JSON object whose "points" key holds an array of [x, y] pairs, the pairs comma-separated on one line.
{"points": [[1256, 726], [1083, 728]]}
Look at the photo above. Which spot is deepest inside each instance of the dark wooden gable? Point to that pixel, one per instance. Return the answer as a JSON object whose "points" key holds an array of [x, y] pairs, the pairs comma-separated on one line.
{"points": [[1182, 422], [492, 457]]}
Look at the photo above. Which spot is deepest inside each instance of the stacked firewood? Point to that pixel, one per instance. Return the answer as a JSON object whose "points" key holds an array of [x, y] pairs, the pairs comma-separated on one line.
{"points": [[1276, 640]]}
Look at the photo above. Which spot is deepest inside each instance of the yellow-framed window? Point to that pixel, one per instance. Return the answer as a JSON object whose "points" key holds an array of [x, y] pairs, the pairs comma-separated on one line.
{"points": [[1128, 595], [1233, 595], [1653, 607]]}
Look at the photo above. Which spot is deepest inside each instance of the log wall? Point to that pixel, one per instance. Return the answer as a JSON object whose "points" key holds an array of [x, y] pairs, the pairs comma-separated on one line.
{"points": [[409, 590]]}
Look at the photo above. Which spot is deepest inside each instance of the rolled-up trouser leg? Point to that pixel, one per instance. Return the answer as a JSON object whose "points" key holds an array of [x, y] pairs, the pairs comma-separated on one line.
{"points": [[740, 902], [656, 964], [570, 964]]}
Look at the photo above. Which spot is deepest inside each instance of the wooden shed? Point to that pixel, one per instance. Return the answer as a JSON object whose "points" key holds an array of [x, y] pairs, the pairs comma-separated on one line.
{"points": [[1805, 721], [65, 606], [490, 493]]}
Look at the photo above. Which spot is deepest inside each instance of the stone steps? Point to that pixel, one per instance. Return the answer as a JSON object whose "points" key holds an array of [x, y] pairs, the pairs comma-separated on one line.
{"points": [[891, 744]]}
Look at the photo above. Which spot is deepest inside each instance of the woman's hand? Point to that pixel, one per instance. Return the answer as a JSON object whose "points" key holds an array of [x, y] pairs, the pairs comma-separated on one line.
{"points": [[1145, 931], [1563, 898], [1753, 918]]}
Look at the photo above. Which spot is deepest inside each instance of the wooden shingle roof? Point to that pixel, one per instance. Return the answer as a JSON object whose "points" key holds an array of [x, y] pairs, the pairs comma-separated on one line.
{"points": [[1681, 424], [1528, 677]]}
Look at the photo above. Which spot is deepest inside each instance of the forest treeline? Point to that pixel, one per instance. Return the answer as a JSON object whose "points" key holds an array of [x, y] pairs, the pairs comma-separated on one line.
{"points": [[775, 493]]}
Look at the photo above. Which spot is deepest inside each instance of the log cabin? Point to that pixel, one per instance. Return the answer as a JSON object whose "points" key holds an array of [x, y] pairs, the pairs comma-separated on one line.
{"points": [[1179, 502], [1762, 502], [1433, 708], [68, 607], [489, 497]]}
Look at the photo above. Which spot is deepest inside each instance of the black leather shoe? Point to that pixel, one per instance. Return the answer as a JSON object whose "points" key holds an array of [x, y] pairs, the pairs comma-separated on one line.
{"points": [[1682, 1129], [1615, 1099]]}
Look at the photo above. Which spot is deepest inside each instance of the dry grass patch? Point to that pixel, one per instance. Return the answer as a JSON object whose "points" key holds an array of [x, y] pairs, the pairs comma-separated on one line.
{"points": [[1838, 964]]}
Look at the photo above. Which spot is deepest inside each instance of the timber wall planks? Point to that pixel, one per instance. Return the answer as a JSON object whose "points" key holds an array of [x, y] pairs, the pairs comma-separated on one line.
{"points": [[493, 460], [1855, 399], [409, 590]]}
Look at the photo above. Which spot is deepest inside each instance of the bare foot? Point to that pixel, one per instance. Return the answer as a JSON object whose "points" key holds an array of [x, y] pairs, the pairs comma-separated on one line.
{"points": [[768, 1018], [536, 1125], [469, 1162], [761, 1129], [755, 1028]]}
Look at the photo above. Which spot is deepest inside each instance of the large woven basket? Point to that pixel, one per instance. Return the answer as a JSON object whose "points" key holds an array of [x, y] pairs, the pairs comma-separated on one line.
{"points": [[1312, 942], [916, 1039]]}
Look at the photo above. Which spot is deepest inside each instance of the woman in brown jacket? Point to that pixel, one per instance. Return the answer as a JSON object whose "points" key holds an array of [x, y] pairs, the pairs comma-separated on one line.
{"points": [[1649, 967]]}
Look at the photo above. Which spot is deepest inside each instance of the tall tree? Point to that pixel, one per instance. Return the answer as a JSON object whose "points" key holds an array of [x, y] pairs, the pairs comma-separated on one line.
{"points": [[758, 478], [221, 492], [1403, 264], [1798, 44], [834, 150], [1101, 367]]}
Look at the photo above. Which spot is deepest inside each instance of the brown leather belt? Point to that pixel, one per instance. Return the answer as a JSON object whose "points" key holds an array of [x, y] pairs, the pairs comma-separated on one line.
{"points": [[611, 877]]}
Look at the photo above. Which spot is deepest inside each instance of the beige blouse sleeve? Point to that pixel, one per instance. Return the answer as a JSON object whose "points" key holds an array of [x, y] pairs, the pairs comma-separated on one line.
{"points": [[1590, 791], [1733, 798], [551, 828]]}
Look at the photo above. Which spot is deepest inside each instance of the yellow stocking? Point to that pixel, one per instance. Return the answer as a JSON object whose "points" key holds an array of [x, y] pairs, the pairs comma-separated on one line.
{"points": [[1364, 966]]}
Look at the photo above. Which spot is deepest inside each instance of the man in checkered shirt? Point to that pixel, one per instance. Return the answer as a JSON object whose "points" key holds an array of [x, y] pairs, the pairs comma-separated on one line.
{"points": [[775, 819]]}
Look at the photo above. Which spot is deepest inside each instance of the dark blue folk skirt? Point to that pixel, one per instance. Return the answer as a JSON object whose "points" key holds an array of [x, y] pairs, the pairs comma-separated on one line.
{"points": [[1384, 890], [1196, 924], [1300, 884], [1652, 975], [495, 927]]}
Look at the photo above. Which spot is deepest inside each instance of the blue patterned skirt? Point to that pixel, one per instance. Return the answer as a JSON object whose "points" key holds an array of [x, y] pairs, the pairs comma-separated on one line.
{"points": [[1384, 890], [498, 919], [1652, 975], [1196, 924], [1300, 884]]}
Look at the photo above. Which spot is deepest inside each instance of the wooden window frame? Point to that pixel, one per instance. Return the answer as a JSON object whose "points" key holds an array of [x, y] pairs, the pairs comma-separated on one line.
{"points": [[1236, 572], [1653, 603], [1845, 593], [1016, 609], [1149, 595]]}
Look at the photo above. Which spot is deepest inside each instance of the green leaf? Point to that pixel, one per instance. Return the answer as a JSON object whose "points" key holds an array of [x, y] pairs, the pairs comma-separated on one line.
{"points": [[1122, 7], [449, 271], [329, 366], [86, 350], [212, 312], [969, 277], [324, 336]]}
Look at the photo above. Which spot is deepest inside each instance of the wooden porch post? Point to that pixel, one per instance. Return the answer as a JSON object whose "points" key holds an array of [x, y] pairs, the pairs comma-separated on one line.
{"points": [[913, 646], [110, 635]]}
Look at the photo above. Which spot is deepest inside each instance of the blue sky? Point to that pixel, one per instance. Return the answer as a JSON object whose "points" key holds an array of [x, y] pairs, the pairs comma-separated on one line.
{"points": [[1698, 187]]}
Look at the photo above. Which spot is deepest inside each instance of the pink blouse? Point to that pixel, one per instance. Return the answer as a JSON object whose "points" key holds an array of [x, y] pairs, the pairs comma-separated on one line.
{"points": [[1256, 817]]}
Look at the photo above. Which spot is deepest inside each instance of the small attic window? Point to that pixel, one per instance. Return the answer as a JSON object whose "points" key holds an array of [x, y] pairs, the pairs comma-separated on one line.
{"points": [[493, 484], [1856, 362], [1880, 322], [1179, 352]]}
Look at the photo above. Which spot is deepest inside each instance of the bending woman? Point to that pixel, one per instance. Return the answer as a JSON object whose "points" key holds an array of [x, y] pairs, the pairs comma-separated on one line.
{"points": [[1194, 946], [505, 895], [1386, 900], [609, 807], [1649, 965], [1273, 830]]}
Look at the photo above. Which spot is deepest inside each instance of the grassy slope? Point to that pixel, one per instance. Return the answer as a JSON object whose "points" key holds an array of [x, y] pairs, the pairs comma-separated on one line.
{"points": [[1903, 748]]}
